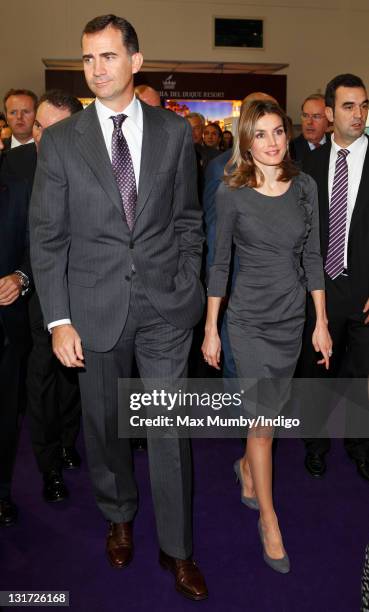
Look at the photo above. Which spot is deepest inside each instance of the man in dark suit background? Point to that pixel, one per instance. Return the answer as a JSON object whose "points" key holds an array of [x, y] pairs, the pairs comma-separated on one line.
{"points": [[20, 163], [341, 171], [15, 278], [53, 393], [314, 125], [116, 246]]}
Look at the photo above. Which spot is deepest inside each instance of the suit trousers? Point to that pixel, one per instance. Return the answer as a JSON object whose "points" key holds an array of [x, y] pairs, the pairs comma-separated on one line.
{"points": [[161, 351], [350, 359], [54, 406], [12, 385]]}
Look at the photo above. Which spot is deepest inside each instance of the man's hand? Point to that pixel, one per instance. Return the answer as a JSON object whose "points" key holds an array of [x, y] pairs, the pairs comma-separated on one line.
{"points": [[67, 346], [10, 289], [366, 309]]}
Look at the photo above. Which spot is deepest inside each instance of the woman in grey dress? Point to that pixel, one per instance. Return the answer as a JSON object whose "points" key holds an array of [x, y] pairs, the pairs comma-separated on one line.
{"points": [[269, 210]]}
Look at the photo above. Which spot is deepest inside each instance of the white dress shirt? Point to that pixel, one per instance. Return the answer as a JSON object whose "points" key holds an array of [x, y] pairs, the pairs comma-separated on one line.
{"points": [[355, 162], [15, 143], [132, 129]]}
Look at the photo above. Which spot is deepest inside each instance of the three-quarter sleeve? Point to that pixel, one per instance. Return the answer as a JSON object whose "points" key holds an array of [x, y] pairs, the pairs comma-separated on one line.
{"points": [[225, 223], [311, 257]]}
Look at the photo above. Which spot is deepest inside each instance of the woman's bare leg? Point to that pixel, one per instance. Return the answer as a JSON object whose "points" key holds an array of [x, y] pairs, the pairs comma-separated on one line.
{"points": [[259, 457]]}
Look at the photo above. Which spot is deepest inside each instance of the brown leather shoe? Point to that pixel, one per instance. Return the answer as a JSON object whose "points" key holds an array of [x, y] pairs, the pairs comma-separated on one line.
{"points": [[189, 580], [119, 544]]}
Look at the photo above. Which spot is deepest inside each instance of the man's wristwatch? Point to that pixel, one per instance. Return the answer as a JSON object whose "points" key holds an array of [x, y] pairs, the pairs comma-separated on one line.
{"points": [[24, 280]]}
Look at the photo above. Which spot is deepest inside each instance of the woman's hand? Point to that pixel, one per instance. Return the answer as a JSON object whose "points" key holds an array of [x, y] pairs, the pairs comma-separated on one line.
{"points": [[211, 348], [322, 342]]}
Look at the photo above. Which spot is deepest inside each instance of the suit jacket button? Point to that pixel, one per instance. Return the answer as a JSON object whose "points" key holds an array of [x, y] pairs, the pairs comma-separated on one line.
{"points": [[127, 277]]}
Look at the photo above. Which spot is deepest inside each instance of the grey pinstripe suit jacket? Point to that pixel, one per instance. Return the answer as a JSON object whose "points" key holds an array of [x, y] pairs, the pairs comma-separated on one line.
{"points": [[81, 247]]}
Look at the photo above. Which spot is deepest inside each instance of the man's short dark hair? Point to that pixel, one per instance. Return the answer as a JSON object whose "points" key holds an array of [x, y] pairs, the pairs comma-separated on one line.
{"points": [[129, 36], [61, 99], [342, 80], [316, 96], [20, 92]]}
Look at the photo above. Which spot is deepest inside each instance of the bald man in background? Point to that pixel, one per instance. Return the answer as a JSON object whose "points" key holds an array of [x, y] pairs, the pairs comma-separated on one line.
{"points": [[148, 94], [314, 125]]}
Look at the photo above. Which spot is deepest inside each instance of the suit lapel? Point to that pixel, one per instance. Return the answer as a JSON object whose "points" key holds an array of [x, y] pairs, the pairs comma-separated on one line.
{"points": [[91, 146], [322, 181], [362, 199], [154, 144], [305, 146]]}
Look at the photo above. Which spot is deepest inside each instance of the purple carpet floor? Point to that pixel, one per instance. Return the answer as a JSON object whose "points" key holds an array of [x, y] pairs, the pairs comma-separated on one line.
{"points": [[325, 525]]}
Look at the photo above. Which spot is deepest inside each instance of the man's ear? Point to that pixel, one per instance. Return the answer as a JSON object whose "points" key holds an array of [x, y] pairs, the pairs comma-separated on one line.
{"points": [[137, 60], [329, 113]]}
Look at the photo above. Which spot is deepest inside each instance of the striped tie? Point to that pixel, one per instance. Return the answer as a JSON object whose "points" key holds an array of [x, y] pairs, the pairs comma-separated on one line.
{"points": [[334, 264]]}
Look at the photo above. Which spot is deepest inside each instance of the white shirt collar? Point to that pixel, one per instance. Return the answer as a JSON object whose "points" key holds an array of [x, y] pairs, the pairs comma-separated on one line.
{"points": [[16, 143], [132, 111], [354, 147], [321, 142]]}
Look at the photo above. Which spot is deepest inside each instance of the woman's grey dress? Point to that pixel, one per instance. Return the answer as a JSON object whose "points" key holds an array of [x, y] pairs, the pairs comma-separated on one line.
{"points": [[278, 249]]}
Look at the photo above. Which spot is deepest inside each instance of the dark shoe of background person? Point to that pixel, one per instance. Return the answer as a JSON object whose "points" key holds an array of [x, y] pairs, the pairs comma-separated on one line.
{"points": [[139, 444], [362, 466], [54, 487], [315, 464], [70, 458], [8, 512], [119, 544], [189, 580]]}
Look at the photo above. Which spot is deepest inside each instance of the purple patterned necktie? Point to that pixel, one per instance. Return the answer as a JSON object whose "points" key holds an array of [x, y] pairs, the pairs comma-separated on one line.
{"points": [[123, 169], [334, 264]]}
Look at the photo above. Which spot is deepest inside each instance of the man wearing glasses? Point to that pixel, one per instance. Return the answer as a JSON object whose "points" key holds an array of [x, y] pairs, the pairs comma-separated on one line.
{"points": [[314, 125]]}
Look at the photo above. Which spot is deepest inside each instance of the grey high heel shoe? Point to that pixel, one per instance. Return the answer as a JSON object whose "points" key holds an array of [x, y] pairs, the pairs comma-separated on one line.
{"points": [[279, 565], [250, 502]]}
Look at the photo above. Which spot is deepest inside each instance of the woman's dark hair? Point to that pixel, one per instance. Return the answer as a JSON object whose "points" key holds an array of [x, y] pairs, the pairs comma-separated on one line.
{"points": [[217, 127], [241, 170], [225, 146], [129, 36]]}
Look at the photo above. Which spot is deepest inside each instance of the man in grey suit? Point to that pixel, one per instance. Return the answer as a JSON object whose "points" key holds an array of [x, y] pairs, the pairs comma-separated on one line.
{"points": [[116, 252]]}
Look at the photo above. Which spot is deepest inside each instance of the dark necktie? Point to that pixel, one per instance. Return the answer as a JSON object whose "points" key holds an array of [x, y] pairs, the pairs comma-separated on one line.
{"points": [[123, 170], [334, 264]]}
